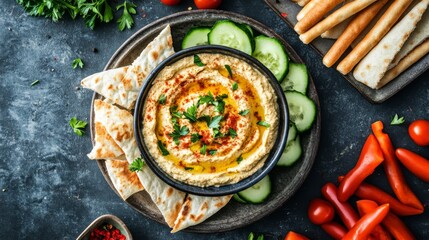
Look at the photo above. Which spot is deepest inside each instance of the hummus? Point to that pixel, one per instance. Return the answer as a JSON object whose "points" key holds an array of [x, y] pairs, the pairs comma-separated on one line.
{"points": [[208, 126]]}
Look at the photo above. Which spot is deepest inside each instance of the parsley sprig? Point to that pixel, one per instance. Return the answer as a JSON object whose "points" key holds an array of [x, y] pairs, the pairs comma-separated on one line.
{"points": [[191, 113], [78, 126], [178, 132], [136, 165], [77, 62], [397, 120]]}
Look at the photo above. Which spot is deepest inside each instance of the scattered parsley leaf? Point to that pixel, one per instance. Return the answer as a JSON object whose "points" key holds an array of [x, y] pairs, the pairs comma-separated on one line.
{"points": [[228, 68], [239, 159], [212, 152], [260, 237], [217, 133], [35, 82], [195, 137], [397, 120], [203, 149], [251, 236], [219, 105], [77, 62], [214, 122], [161, 147], [136, 165], [234, 86], [189, 168], [78, 126], [178, 132], [206, 99], [175, 112], [263, 123], [232, 133], [197, 61], [108, 13], [126, 20], [191, 113], [221, 97], [244, 112], [162, 99], [205, 118]]}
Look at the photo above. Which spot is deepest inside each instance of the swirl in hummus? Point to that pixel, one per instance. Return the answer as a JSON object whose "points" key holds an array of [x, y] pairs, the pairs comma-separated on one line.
{"points": [[210, 120]]}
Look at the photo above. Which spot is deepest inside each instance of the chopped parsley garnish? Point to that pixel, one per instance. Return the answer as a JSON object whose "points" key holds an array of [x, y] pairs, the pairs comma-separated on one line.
{"points": [[161, 147], [162, 99], [397, 120], [203, 149], [234, 86], [232, 133], [189, 168], [78, 126], [244, 112], [214, 122], [191, 113], [77, 62], [175, 113], [195, 137], [217, 133], [206, 99], [228, 68], [239, 159], [178, 132], [218, 102], [35, 82], [126, 20], [136, 165], [263, 123], [212, 152], [197, 61]]}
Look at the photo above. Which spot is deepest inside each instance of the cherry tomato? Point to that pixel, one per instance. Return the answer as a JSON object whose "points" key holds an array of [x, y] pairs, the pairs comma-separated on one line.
{"points": [[207, 4], [170, 2], [419, 132], [295, 236], [320, 211]]}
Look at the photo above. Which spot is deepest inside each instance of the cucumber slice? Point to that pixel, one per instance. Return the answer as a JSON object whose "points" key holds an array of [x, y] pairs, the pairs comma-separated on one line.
{"points": [[296, 79], [229, 34], [195, 37], [238, 198], [291, 134], [248, 28], [291, 154], [302, 110], [271, 53], [258, 192]]}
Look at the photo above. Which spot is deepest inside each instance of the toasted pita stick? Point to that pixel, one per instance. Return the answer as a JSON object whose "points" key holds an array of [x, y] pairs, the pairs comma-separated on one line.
{"points": [[414, 56], [306, 9], [301, 2], [315, 14], [334, 19], [356, 26], [373, 66], [383, 25]]}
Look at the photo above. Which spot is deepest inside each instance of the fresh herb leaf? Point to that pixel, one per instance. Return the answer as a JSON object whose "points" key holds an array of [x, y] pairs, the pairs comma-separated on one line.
{"points": [[228, 68], [206, 99], [251, 236], [217, 133], [239, 159], [263, 123], [78, 126], [161, 147], [260, 237], [397, 120], [205, 118], [197, 61], [136, 165], [214, 122], [77, 62], [234, 86], [178, 132], [232, 133], [203, 149], [126, 20], [162, 99], [35, 82], [195, 137], [175, 112], [189, 168], [212, 152], [221, 97], [191, 113], [244, 112], [219, 105]]}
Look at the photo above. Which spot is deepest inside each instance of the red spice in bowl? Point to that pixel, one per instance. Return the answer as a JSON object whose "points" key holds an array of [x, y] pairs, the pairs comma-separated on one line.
{"points": [[106, 232]]}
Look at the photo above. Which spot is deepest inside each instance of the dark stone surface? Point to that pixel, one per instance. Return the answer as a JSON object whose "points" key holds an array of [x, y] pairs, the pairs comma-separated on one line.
{"points": [[50, 190]]}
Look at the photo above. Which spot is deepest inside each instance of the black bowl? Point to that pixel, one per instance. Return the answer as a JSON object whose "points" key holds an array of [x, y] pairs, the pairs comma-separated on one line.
{"points": [[273, 156]]}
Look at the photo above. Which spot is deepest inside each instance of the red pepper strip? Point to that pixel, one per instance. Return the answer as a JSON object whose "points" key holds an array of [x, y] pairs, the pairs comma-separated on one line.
{"points": [[417, 164], [393, 170], [334, 229], [371, 156], [295, 236], [371, 192], [346, 212], [363, 228], [379, 232], [391, 222]]}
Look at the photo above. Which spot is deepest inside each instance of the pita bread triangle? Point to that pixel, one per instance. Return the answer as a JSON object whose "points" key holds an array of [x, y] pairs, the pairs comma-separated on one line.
{"points": [[122, 85], [125, 182]]}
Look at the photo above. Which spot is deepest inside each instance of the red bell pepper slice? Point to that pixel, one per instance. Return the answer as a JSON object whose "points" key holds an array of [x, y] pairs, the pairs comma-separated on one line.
{"points": [[334, 229], [295, 236], [344, 210], [379, 232], [417, 164], [371, 156], [391, 222], [393, 170], [363, 228]]}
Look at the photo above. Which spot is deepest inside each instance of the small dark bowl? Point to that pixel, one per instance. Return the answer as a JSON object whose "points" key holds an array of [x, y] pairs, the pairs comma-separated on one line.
{"points": [[106, 219], [274, 155]]}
